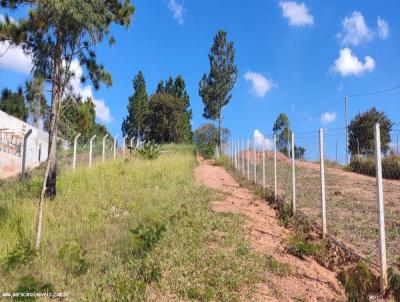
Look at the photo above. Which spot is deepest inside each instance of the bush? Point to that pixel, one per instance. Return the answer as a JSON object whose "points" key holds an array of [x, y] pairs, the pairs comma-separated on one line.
{"points": [[358, 282], [73, 257], [366, 165], [149, 150], [29, 284]]}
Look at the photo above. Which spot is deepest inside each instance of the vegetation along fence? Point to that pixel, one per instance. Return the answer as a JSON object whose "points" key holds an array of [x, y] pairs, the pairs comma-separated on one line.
{"points": [[340, 179]]}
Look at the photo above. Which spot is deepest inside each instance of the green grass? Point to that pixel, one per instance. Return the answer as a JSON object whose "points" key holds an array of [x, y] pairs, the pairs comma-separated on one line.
{"points": [[128, 230]]}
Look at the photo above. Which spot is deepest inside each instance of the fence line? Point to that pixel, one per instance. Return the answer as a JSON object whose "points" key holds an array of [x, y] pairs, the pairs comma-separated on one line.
{"points": [[338, 178]]}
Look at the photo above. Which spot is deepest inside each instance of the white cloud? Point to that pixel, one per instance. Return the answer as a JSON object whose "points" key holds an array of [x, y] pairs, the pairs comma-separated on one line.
{"points": [[14, 58], [348, 64], [177, 10], [296, 13], [328, 117], [102, 111], [355, 30], [259, 84], [383, 28], [258, 139]]}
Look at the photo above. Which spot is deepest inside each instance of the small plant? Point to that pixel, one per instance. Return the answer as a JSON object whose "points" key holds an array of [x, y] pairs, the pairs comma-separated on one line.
{"points": [[394, 283], [298, 246], [276, 267], [285, 214], [73, 257], [358, 282], [149, 150], [145, 237]]}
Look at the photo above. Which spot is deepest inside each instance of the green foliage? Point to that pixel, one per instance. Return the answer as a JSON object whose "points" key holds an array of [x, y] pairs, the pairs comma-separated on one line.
{"points": [[13, 103], [149, 150], [283, 133], [72, 255], [144, 237], [361, 132], [138, 106], [37, 104], [285, 214], [168, 119], [394, 283], [358, 282], [215, 87], [366, 165], [206, 139], [298, 246], [276, 267], [30, 284]]}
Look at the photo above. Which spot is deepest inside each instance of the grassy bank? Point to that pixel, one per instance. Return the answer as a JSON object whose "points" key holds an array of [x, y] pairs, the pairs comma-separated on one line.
{"points": [[124, 231]]}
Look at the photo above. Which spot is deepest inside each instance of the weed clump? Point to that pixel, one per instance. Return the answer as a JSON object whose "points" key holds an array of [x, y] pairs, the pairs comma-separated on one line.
{"points": [[394, 283], [30, 284], [358, 282], [149, 150], [72, 255], [276, 267]]}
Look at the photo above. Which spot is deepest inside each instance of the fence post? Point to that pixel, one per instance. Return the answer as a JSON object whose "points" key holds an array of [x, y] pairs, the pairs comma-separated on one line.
{"points": [[123, 145], [248, 159], [104, 146], [131, 143], [235, 152], [27, 134], [74, 156], [242, 156], [263, 160], [232, 154], [381, 213], [90, 149], [255, 160], [275, 172], [322, 175], [293, 177], [115, 146], [238, 153]]}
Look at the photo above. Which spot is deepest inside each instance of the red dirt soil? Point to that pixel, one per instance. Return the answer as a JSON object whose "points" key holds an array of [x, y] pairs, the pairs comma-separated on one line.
{"points": [[309, 281]]}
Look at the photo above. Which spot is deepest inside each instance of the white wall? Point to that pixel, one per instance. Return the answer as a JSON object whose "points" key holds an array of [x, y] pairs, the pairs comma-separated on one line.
{"points": [[10, 164]]}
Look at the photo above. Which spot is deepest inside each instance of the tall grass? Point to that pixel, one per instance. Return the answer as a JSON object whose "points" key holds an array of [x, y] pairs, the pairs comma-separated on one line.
{"points": [[128, 230]]}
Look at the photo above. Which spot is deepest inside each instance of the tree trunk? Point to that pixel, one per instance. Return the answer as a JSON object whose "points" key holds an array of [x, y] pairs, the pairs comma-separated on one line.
{"points": [[50, 176], [220, 131]]}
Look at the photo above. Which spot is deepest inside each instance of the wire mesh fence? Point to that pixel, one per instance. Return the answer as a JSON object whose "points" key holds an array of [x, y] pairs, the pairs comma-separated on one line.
{"points": [[349, 165]]}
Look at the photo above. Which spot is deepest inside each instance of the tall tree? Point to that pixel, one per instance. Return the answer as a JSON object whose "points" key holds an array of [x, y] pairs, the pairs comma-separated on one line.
{"points": [[36, 100], [215, 87], [206, 139], [283, 133], [138, 107], [13, 103], [361, 132], [55, 32]]}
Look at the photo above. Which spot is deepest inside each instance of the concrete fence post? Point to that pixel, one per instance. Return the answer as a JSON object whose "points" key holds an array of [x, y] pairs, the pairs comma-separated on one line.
{"points": [[115, 146], [90, 150], [232, 155], [263, 161], [255, 160], [293, 177], [25, 145], [248, 159], [275, 171], [123, 145], [322, 177], [242, 156], [381, 213], [74, 156], [131, 143], [104, 147], [238, 153]]}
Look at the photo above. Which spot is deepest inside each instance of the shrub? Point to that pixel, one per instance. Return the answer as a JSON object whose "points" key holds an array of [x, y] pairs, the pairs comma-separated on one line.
{"points": [[29, 284], [276, 267], [149, 150], [366, 165], [358, 282], [145, 237]]}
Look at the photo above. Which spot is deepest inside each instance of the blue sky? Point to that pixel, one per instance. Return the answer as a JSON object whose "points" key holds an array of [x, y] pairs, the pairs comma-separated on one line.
{"points": [[292, 57]]}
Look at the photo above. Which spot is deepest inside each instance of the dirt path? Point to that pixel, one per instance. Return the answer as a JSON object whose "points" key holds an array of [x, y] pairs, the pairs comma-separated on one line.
{"points": [[309, 281]]}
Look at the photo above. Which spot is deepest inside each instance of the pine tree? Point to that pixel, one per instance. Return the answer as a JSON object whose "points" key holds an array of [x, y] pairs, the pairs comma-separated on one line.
{"points": [[138, 107], [215, 87]]}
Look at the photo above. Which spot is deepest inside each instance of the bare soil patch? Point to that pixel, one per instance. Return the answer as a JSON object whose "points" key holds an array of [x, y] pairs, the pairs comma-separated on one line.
{"points": [[308, 281]]}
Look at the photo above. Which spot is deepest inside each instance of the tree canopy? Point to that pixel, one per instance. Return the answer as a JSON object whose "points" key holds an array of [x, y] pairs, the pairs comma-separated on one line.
{"points": [[13, 103], [215, 87], [361, 132], [283, 133], [206, 138]]}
